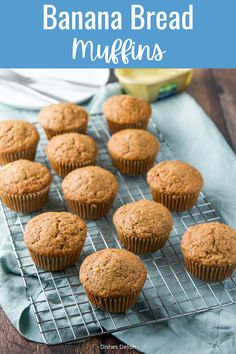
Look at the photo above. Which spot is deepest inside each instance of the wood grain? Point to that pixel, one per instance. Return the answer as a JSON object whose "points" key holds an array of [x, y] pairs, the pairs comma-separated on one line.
{"points": [[215, 92], [225, 81], [206, 91]]}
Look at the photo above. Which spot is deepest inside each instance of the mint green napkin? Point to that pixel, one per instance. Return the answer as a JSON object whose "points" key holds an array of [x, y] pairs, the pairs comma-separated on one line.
{"points": [[195, 139]]}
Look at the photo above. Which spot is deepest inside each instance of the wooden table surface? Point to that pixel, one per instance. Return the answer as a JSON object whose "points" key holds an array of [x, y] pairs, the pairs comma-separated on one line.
{"points": [[215, 90]]}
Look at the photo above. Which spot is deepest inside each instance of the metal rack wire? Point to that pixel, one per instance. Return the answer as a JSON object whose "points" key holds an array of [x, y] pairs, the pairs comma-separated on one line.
{"points": [[62, 310]]}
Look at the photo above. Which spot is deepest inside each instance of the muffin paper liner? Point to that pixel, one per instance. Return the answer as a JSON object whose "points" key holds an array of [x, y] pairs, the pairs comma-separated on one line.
{"points": [[62, 169], [90, 210], [174, 202], [208, 273], [142, 245], [113, 304], [55, 263], [115, 127], [51, 133], [26, 203], [27, 154], [133, 167]]}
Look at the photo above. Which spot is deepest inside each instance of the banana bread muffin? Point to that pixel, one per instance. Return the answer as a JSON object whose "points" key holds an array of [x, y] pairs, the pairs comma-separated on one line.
{"points": [[113, 279], [66, 152], [24, 185], [18, 140], [124, 111], [143, 226], [55, 239], [209, 251], [63, 118], [90, 191], [133, 151], [175, 184]]}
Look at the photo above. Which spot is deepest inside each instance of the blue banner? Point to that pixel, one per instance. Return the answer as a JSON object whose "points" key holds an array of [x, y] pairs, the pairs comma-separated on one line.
{"points": [[106, 33]]}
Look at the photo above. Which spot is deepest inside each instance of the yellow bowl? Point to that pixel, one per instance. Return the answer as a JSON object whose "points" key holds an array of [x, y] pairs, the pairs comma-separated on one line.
{"points": [[152, 84]]}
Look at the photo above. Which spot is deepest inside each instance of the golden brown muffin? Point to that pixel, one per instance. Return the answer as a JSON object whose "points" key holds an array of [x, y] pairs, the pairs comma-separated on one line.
{"points": [[66, 152], [124, 111], [55, 239], [113, 279], [175, 184], [24, 185], [209, 251], [18, 140], [63, 118], [90, 191], [143, 226], [133, 151]]}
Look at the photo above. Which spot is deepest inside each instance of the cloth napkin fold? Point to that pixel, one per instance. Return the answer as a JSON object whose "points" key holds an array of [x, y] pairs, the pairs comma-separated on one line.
{"points": [[196, 140]]}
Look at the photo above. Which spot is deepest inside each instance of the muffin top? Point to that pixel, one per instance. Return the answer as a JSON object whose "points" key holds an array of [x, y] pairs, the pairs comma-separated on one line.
{"points": [[24, 176], [132, 144], [17, 135], [63, 116], [55, 233], [71, 148], [126, 109], [90, 184], [210, 244], [112, 273], [175, 177], [143, 219]]}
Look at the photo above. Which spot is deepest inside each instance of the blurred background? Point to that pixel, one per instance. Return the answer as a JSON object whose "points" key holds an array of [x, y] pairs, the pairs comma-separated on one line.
{"points": [[214, 89]]}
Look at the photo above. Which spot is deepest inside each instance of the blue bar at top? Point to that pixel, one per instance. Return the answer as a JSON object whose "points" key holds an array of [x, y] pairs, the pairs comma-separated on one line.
{"points": [[105, 33]]}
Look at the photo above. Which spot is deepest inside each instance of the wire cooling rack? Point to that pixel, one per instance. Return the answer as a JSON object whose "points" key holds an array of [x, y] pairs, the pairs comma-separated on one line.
{"points": [[62, 310]]}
